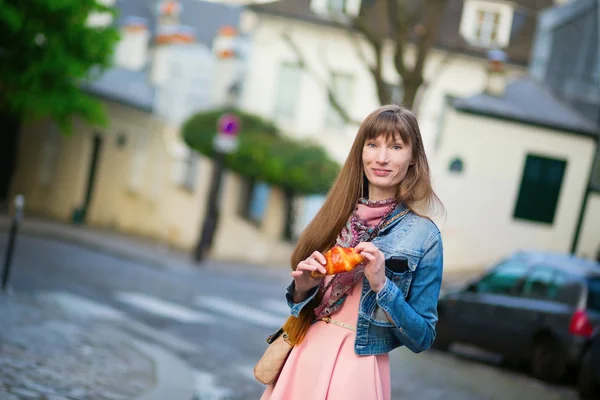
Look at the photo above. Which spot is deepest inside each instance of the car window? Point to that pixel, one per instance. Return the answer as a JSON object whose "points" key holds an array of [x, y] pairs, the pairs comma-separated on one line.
{"points": [[541, 284], [594, 294], [504, 278]]}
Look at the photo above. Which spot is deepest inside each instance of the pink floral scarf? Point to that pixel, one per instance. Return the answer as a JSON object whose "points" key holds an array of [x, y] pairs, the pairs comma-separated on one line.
{"points": [[368, 216]]}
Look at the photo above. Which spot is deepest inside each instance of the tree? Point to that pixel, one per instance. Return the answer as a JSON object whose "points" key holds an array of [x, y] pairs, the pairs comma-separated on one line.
{"points": [[388, 26], [46, 48]]}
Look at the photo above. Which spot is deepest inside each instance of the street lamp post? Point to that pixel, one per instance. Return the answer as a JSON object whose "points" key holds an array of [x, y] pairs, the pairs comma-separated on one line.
{"points": [[12, 237], [225, 142]]}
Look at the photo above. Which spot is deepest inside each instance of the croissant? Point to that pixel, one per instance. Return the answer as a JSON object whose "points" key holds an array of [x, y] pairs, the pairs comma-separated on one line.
{"points": [[339, 259]]}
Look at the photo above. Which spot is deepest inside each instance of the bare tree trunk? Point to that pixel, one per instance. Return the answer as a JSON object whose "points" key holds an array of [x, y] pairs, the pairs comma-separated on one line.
{"points": [[426, 34]]}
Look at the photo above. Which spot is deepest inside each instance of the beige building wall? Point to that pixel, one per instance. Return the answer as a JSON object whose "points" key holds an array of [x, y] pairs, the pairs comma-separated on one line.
{"points": [[51, 169], [242, 240], [589, 237], [479, 226], [137, 188]]}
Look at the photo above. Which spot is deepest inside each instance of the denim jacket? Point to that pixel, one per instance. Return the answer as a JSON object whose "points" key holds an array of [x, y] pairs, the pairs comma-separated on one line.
{"points": [[409, 298]]}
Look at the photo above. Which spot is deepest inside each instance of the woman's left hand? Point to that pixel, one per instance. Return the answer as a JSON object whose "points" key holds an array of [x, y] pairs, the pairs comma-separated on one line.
{"points": [[374, 265]]}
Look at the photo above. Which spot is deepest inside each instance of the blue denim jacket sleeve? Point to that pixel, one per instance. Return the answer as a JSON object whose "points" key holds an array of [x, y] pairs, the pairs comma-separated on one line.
{"points": [[295, 308], [416, 316]]}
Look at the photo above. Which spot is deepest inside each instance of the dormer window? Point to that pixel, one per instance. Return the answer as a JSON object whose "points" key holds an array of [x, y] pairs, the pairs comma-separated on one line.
{"points": [[486, 24], [331, 8], [336, 6]]}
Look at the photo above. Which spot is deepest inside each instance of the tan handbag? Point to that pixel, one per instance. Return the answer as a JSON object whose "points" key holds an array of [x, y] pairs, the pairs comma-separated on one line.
{"points": [[269, 367]]}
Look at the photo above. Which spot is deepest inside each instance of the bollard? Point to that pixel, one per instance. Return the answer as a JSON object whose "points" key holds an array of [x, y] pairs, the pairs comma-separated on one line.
{"points": [[14, 227]]}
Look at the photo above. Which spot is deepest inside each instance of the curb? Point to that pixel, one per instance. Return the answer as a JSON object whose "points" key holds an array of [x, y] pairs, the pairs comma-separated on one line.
{"points": [[95, 246], [175, 380]]}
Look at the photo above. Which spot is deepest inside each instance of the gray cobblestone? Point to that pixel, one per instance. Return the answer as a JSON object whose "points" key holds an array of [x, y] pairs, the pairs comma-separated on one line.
{"points": [[46, 356]]}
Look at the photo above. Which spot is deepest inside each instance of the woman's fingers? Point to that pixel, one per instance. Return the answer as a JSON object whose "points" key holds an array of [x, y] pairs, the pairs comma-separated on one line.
{"points": [[368, 256], [318, 257], [370, 247], [297, 274]]}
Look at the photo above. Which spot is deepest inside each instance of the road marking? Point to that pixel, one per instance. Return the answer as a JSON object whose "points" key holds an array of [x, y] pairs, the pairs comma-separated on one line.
{"points": [[240, 311], [164, 308], [81, 307], [166, 339], [278, 306], [247, 372], [206, 389]]}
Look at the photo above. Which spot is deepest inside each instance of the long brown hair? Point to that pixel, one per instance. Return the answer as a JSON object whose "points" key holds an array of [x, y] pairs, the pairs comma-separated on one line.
{"points": [[415, 191]]}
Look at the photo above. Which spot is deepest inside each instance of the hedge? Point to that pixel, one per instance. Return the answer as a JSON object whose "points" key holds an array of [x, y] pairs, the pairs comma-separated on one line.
{"points": [[264, 154]]}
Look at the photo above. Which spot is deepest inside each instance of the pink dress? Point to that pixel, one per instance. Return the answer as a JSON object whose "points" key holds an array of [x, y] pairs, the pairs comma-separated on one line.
{"points": [[325, 367]]}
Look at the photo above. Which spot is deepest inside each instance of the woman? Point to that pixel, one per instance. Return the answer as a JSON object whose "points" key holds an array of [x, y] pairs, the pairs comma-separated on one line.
{"points": [[344, 326]]}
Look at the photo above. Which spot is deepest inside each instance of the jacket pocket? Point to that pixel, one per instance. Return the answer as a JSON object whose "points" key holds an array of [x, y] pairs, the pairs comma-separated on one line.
{"points": [[403, 279]]}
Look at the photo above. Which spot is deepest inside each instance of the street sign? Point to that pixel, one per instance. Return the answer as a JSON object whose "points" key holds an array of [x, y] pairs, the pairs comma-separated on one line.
{"points": [[228, 127], [228, 124]]}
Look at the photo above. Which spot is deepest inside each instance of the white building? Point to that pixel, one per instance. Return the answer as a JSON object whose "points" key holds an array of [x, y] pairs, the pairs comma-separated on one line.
{"points": [[277, 86], [513, 170]]}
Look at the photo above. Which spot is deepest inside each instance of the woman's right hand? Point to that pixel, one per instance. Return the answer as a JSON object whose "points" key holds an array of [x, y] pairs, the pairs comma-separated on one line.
{"points": [[302, 279]]}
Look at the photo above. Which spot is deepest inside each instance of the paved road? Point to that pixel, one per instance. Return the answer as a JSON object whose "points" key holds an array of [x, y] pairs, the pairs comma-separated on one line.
{"points": [[216, 319]]}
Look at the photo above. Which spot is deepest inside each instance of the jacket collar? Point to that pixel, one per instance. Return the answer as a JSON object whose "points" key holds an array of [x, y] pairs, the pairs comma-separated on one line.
{"points": [[399, 213]]}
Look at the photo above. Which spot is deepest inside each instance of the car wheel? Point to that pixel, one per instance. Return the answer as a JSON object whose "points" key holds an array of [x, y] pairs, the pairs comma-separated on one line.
{"points": [[587, 385], [548, 361]]}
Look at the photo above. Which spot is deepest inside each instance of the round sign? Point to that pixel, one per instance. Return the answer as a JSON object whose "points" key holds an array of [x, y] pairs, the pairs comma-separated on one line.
{"points": [[228, 124]]}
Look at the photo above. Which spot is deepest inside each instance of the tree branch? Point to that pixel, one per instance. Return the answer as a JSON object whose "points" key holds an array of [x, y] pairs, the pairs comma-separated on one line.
{"points": [[426, 34], [331, 95]]}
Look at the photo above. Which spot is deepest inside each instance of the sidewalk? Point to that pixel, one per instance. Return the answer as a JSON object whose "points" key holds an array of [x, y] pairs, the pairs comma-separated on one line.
{"points": [[46, 355], [142, 250]]}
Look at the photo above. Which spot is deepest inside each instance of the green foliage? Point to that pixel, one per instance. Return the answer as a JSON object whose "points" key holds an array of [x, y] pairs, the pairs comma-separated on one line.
{"points": [[200, 130], [265, 155], [46, 49]]}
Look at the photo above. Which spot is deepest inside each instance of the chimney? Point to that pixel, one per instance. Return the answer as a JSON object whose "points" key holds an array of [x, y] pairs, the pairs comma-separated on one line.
{"points": [[496, 74], [169, 32], [132, 50]]}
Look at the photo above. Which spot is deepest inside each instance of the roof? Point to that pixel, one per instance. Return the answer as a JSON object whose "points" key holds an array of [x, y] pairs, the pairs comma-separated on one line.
{"points": [[566, 262], [529, 102], [133, 88], [124, 86], [448, 36], [203, 17]]}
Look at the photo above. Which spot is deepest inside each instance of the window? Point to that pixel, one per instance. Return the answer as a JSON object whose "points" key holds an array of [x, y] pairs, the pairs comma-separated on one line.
{"points": [[336, 6], [138, 165], [456, 166], [49, 157], [504, 278], [257, 199], [593, 302], [540, 189], [341, 86], [487, 24], [541, 284], [288, 90]]}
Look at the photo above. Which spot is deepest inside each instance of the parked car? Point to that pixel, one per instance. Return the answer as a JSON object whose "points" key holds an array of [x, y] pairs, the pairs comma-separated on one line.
{"points": [[588, 383], [539, 308]]}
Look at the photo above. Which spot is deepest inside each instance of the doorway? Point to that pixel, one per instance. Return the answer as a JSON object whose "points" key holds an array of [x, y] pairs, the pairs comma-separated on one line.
{"points": [[8, 155], [80, 212]]}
